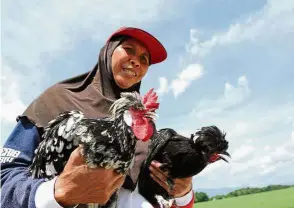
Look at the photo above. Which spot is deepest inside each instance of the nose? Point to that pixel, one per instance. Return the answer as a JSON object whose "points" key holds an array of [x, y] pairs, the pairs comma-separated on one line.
{"points": [[135, 63]]}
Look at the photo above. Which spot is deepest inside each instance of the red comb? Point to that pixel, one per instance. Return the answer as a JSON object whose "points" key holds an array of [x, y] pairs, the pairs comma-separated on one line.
{"points": [[150, 100]]}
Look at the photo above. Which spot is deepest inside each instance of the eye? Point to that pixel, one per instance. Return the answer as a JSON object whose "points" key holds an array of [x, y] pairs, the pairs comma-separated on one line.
{"points": [[129, 49], [144, 60]]}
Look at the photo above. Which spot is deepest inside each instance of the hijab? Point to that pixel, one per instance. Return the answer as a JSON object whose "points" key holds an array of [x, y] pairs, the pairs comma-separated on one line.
{"points": [[92, 93]]}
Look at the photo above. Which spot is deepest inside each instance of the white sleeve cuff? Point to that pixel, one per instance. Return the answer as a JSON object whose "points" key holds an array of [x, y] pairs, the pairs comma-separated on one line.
{"points": [[44, 197], [184, 200]]}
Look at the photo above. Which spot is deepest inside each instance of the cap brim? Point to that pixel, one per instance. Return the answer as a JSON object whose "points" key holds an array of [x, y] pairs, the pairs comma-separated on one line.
{"points": [[155, 48]]}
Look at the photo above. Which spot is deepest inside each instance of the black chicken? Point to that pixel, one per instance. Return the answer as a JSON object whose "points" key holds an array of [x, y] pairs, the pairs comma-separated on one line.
{"points": [[181, 157], [107, 142]]}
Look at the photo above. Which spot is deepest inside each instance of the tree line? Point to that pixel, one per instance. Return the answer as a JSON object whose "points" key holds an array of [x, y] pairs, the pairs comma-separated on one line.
{"points": [[202, 196]]}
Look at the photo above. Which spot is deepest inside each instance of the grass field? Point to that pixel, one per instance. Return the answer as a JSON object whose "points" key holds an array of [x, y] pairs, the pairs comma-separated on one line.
{"points": [[273, 199]]}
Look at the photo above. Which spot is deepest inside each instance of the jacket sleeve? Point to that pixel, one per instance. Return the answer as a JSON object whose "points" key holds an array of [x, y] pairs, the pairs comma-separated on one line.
{"points": [[186, 201], [18, 187]]}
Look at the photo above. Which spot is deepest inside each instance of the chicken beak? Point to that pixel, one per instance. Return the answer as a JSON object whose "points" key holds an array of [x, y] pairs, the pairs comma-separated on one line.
{"points": [[222, 156]]}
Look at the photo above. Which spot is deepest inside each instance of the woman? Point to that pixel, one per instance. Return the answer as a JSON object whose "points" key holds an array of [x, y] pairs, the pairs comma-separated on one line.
{"points": [[123, 62]]}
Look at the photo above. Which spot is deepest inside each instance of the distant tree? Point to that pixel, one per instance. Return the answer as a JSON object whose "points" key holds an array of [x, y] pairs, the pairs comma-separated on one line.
{"points": [[201, 197], [248, 190], [217, 197]]}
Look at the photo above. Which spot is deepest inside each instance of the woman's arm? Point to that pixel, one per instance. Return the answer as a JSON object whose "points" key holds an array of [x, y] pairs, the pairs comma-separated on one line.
{"points": [[18, 188]]}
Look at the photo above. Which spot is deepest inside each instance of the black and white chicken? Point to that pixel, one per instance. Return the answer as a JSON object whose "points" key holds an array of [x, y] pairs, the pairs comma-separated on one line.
{"points": [[106, 142], [181, 157]]}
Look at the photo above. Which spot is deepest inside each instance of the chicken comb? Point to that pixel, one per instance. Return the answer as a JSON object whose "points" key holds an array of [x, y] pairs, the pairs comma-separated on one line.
{"points": [[150, 100]]}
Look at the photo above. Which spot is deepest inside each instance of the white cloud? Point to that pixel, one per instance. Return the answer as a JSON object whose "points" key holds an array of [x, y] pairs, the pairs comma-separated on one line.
{"points": [[269, 157], [254, 124], [273, 22], [259, 163], [11, 103], [235, 95], [44, 29], [242, 152], [276, 18], [190, 73], [264, 161], [259, 145], [231, 97], [240, 128], [292, 135], [163, 86], [251, 161], [267, 148]]}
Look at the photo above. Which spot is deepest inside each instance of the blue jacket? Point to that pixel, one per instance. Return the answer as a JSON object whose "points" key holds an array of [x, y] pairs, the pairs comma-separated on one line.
{"points": [[18, 187]]}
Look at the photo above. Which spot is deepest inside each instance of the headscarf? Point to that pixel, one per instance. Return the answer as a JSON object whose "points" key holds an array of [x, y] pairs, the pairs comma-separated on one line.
{"points": [[92, 93]]}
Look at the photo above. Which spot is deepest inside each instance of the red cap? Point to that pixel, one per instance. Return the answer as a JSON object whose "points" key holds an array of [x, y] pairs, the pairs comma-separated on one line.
{"points": [[155, 48]]}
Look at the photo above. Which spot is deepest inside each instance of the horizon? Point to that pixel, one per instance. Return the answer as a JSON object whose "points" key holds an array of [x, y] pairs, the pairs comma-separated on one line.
{"points": [[229, 64]]}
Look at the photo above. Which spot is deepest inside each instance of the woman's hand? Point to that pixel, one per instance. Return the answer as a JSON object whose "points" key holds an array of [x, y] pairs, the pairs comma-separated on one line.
{"points": [[79, 184], [181, 186]]}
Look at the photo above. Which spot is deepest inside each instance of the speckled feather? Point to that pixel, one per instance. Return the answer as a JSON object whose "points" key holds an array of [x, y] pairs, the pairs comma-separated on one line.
{"points": [[103, 145], [107, 142]]}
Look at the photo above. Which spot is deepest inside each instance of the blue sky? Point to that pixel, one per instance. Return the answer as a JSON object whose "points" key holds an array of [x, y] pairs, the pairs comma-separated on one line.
{"points": [[230, 63]]}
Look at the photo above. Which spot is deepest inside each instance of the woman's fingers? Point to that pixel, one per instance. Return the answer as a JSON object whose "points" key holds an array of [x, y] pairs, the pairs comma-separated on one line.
{"points": [[175, 187], [156, 169], [158, 175], [159, 181]]}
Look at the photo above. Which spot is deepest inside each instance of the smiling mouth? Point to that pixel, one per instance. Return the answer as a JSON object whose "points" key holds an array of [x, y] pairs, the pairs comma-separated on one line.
{"points": [[129, 72]]}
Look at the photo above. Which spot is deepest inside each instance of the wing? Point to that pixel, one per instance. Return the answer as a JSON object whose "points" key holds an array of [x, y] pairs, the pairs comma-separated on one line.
{"points": [[157, 142], [107, 144], [57, 145]]}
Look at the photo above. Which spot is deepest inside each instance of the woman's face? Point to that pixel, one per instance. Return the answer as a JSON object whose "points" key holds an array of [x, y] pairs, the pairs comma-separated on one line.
{"points": [[130, 62]]}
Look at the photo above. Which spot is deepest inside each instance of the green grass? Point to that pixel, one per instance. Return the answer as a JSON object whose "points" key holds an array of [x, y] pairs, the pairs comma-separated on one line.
{"points": [[283, 198]]}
